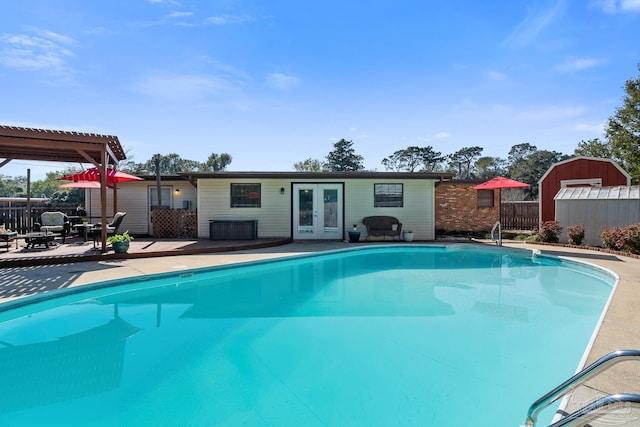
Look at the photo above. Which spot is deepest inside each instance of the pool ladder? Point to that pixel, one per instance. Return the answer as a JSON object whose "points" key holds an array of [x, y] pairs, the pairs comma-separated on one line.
{"points": [[594, 409], [493, 230]]}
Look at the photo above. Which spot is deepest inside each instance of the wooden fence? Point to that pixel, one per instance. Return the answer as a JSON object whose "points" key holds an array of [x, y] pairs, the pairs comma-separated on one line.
{"points": [[17, 218], [521, 215]]}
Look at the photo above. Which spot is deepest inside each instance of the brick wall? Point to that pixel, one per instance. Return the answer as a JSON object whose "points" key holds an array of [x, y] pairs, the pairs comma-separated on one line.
{"points": [[457, 208]]}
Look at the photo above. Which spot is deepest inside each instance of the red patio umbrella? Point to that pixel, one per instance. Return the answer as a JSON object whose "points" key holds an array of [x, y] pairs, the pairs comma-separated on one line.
{"points": [[113, 177], [81, 184], [93, 174], [498, 183]]}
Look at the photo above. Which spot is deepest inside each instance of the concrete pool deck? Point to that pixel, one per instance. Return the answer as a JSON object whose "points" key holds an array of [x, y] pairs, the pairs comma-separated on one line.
{"points": [[619, 330]]}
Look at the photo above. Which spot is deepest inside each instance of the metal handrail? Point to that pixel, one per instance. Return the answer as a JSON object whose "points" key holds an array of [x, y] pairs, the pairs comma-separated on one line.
{"points": [[578, 379], [499, 241], [588, 413]]}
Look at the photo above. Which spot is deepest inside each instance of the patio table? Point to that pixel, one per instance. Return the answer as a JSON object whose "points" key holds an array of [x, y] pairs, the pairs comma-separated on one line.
{"points": [[33, 239], [86, 227], [7, 237]]}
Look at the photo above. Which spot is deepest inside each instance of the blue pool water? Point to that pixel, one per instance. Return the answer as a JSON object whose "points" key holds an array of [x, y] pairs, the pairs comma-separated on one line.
{"points": [[378, 336]]}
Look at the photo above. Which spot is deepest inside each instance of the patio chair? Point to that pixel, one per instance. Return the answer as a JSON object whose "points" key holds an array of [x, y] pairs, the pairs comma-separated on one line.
{"points": [[112, 227], [53, 222]]}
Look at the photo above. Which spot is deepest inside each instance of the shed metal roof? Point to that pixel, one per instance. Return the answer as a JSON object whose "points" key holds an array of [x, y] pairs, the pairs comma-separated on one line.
{"points": [[620, 192]]}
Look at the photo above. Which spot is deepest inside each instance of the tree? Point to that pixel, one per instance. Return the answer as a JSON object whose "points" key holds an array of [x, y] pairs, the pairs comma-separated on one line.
{"points": [[623, 130], [489, 167], [310, 165], [12, 187], [528, 164], [170, 164], [343, 158], [216, 162], [517, 159], [462, 160], [412, 158], [593, 148]]}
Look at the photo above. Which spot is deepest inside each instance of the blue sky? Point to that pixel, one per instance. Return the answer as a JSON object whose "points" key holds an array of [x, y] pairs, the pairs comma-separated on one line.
{"points": [[276, 82]]}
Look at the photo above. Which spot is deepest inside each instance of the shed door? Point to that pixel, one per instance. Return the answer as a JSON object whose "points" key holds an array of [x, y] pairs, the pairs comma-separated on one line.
{"points": [[317, 211]]}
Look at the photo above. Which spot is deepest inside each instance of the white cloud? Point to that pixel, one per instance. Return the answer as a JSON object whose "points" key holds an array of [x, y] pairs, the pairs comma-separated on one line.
{"points": [[551, 112], [177, 15], [438, 135], [535, 22], [282, 81], [182, 87], [576, 64], [442, 135], [616, 6], [228, 19], [496, 75], [589, 127], [45, 51], [630, 5]]}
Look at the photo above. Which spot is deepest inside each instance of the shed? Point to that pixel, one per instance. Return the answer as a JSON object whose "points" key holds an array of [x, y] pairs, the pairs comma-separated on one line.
{"points": [[577, 172], [597, 209]]}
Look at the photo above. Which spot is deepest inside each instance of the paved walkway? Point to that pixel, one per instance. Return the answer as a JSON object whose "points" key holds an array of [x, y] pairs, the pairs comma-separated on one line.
{"points": [[620, 328]]}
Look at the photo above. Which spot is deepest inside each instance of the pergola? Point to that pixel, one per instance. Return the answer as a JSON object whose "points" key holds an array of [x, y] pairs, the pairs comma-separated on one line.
{"points": [[102, 151]]}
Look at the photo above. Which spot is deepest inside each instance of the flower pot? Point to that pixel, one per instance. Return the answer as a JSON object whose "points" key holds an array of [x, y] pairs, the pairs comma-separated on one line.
{"points": [[407, 236], [354, 236], [120, 247]]}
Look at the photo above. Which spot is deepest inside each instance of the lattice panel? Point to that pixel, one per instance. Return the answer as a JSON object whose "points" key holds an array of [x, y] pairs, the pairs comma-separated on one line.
{"points": [[174, 224]]}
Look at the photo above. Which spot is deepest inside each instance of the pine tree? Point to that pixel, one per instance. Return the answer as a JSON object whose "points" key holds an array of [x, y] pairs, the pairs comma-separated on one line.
{"points": [[343, 158]]}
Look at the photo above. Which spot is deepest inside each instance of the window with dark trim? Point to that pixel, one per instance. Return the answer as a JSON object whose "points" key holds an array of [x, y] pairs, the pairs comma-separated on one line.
{"points": [[245, 195], [388, 195], [485, 198]]}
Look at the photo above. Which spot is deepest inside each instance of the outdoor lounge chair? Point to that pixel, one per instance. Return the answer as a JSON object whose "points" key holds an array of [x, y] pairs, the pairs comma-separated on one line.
{"points": [[53, 222], [112, 227], [382, 226]]}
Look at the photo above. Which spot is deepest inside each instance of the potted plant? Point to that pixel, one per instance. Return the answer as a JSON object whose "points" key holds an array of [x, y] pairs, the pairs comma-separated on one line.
{"points": [[354, 236], [407, 235], [120, 242]]}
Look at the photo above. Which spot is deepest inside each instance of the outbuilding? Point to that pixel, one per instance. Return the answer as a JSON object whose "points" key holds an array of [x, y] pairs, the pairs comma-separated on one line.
{"points": [[577, 172], [597, 209]]}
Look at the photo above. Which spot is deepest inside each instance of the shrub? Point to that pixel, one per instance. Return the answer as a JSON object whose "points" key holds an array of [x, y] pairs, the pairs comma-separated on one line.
{"points": [[575, 234], [549, 231], [626, 239]]}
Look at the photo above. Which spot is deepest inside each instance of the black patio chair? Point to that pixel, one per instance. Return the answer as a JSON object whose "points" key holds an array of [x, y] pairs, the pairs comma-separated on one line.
{"points": [[112, 227]]}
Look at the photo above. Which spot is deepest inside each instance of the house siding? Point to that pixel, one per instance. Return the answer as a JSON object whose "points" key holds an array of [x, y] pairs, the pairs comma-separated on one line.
{"points": [[416, 214], [274, 215], [134, 200]]}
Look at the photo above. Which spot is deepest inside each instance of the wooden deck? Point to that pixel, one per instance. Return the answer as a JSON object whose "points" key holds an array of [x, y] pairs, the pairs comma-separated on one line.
{"points": [[77, 250]]}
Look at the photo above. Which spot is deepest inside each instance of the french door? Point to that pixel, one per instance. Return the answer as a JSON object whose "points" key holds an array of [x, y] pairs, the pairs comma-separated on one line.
{"points": [[317, 211]]}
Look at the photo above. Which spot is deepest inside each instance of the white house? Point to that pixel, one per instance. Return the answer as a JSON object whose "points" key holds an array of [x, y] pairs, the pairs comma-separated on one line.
{"points": [[298, 205]]}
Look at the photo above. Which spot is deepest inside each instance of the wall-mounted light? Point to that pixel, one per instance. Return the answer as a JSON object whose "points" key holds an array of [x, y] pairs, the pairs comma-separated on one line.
{"points": [[281, 190], [177, 191]]}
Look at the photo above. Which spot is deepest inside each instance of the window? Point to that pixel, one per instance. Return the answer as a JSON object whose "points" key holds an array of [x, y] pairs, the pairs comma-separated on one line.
{"points": [[387, 196], [485, 198], [245, 195]]}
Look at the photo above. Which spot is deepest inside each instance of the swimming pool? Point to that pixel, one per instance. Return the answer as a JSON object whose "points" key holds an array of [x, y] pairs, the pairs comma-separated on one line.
{"points": [[389, 335]]}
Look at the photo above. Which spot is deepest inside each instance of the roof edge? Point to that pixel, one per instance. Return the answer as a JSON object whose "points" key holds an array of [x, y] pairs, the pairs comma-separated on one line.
{"points": [[599, 159]]}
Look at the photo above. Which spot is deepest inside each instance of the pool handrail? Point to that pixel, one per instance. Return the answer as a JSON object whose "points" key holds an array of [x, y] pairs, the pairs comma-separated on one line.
{"points": [[580, 378], [588, 413], [499, 226]]}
